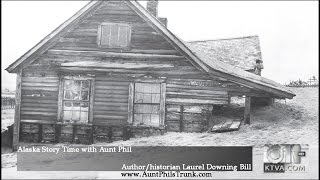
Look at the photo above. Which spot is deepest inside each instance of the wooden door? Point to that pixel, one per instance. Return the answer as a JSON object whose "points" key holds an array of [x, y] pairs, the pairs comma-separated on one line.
{"points": [[147, 104]]}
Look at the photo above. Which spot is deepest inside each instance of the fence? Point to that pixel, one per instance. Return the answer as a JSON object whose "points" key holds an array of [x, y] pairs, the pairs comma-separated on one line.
{"points": [[311, 83], [7, 102], [303, 85]]}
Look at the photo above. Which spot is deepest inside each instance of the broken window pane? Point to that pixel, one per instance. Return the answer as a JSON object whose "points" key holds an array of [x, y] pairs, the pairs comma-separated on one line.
{"points": [[77, 85], [85, 85], [76, 104], [85, 95], [68, 84], [68, 95], [76, 95]]}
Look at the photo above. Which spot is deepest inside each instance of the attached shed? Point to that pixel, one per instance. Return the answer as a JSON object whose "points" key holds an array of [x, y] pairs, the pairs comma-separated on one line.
{"points": [[114, 70], [241, 52]]}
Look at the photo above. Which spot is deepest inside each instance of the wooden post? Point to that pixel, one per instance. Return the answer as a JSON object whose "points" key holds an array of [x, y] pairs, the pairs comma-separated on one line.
{"points": [[163, 105], [271, 101], [92, 88], [60, 98], [16, 126], [130, 103], [247, 110]]}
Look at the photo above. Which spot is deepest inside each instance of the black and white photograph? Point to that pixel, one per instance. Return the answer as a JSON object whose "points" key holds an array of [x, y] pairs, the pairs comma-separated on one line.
{"points": [[155, 89]]}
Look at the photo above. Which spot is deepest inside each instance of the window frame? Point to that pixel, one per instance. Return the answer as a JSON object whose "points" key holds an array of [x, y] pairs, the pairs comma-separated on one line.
{"points": [[99, 36], [131, 104], [61, 99]]}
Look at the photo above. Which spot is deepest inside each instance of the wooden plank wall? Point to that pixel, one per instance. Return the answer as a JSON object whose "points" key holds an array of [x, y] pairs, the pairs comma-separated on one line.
{"points": [[144, 38], [173, 117], [196, 91], [189, 102], [110, 105], [40, 82], [188, 118], [39, 95]]}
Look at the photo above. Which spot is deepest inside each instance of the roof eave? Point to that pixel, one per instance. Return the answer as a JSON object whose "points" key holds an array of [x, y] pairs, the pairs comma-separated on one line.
{"points": [[277, 92], [181, 45], [12, 68], [9, 69], [170, 36]]}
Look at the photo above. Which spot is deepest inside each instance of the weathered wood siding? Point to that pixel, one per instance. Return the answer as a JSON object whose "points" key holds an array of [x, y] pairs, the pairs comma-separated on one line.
{"points": [[110, 105], [149, 55], [196, 91], [189, 102], [39, 95], [188, 118], [143, 38], [173, 117]]}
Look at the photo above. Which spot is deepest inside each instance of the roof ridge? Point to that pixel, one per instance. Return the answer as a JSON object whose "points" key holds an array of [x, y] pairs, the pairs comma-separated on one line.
{"points": [[241, 37], [51, 35], [213, 68]]}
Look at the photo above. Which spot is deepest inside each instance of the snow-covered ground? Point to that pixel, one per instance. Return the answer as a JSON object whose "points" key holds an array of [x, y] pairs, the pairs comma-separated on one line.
{"points": [[7, 116], [287, 122]]}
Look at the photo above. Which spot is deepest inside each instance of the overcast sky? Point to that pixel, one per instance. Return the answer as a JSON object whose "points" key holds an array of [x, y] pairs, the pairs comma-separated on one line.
{"points": [[288, 30]]}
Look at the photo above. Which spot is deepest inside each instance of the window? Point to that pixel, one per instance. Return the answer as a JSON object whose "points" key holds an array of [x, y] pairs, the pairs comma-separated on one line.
{"points": [[75, 100], [147, 106], [114, 35]]}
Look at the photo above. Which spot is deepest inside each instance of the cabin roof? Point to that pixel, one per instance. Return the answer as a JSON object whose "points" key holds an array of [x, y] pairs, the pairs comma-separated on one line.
{"points": [[198, 57], [242, 52], [217, 65]]}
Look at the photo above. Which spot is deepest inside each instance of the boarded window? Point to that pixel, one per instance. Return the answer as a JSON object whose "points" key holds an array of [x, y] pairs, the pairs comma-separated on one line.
{"points": [[147, 104], [75, 101], [114, 35]]}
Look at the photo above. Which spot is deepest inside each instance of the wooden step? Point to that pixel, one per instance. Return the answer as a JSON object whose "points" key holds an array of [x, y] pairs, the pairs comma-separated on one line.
{"points": [[227, 124]]}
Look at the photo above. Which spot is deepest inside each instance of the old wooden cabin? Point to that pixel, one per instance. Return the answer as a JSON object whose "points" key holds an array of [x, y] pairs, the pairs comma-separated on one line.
{"points": [[114, 70]]}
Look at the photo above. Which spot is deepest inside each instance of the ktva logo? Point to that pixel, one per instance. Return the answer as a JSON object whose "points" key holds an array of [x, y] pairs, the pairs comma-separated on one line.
{"points": [[284, 158]]}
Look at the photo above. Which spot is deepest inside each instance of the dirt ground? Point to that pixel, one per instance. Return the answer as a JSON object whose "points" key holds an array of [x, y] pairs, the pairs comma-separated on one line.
{"points": [[286, 122]]}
